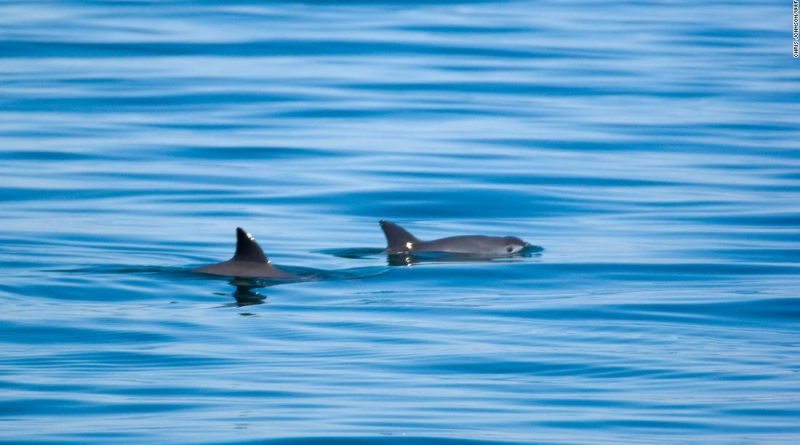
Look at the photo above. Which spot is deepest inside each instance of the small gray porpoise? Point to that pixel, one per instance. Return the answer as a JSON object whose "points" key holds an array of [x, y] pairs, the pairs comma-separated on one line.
{"points": [[399, 240], [249, 261]]}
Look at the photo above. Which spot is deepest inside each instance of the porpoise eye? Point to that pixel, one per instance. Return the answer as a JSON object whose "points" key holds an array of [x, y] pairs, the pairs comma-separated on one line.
{"points": [[509, 249]]}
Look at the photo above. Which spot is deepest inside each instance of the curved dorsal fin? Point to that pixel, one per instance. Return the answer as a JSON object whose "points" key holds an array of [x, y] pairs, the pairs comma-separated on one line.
{"points": [[247, 249], [397, 238]]}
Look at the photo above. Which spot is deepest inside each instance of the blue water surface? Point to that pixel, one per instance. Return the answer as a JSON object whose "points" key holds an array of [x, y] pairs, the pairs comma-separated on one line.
{"points": [[651, 148]]}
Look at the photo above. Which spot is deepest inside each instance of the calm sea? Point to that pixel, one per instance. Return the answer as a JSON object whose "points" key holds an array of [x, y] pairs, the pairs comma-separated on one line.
{"points": [[652, 149]]}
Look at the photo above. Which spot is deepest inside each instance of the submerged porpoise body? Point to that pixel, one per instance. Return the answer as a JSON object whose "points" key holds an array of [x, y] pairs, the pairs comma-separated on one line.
{"points": [[399, 240], [249, 261]]}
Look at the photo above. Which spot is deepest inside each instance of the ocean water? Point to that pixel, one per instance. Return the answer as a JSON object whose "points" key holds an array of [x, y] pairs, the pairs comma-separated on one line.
{"points": [[652, 149]]}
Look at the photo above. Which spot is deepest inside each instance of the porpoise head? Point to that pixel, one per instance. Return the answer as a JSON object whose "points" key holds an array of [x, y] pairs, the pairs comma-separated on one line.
{"points": [[514, 245]]}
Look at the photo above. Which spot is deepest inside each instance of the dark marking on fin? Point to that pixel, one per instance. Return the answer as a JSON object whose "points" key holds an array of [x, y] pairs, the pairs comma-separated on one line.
{"points": [[398, 239], [247, 249]]}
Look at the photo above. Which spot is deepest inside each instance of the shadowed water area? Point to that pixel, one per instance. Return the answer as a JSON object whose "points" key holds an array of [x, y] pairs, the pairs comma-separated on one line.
{"points": [[648, 150]]}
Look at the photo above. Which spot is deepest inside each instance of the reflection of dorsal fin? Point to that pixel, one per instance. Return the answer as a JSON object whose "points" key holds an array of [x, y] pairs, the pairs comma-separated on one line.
{"points": [[397, 238], [247, 249]]}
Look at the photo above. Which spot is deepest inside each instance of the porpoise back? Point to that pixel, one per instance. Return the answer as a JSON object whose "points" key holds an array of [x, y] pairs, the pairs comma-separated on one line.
{"points": [[400, 240], [249, 261]]}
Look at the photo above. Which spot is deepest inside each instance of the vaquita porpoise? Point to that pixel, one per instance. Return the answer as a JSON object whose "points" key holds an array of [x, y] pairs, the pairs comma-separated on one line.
{"points": [[399, 240], [249, 261]]}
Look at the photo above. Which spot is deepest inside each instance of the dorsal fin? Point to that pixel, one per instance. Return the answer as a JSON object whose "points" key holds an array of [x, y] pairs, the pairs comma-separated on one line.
{"points": [[247, 249], [397, 238]]}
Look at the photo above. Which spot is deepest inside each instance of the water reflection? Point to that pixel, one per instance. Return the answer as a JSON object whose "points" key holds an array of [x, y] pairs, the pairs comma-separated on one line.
{"points": [[246, 296], [407, 259], [245, 292]]}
